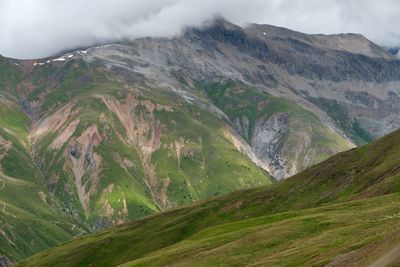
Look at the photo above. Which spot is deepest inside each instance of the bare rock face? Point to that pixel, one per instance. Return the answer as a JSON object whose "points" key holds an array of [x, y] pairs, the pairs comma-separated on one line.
{"points": [[5, 261], [267, 140]]}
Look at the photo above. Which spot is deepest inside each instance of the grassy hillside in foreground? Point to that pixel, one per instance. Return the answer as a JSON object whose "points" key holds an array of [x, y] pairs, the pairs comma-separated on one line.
{"points": [[344, 204]]}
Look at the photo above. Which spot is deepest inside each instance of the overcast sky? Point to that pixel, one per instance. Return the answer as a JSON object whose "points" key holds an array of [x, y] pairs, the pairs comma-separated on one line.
{"points": [[39, 28]]}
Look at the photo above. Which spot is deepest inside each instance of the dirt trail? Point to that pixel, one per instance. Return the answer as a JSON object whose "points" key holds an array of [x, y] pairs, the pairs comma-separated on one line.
{"points": [[3, 185], [388, 259], [2, 188], [5, 146]]}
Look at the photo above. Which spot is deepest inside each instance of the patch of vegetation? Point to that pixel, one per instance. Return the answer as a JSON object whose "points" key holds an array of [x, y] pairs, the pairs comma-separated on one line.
{"points": [[339, 114], [10, 76]]}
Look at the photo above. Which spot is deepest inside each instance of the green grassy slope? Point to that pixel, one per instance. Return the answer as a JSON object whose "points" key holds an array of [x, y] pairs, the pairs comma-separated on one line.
{"points": [[314, 237], [30, 217], [346, 203]]}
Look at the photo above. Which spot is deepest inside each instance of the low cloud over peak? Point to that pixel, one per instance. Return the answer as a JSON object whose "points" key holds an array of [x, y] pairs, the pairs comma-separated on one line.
{"points": [[39, 28]]}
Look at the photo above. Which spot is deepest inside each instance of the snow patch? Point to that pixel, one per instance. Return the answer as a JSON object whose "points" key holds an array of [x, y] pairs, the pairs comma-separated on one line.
{"points": [[60, 59]]}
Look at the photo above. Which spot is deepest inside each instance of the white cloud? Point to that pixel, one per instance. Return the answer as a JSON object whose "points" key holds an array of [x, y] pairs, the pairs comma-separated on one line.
{"points": [[38, 28]]}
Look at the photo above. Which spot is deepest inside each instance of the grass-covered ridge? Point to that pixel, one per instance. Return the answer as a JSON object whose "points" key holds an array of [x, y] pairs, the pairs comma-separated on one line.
{"points": [[345, 204]]}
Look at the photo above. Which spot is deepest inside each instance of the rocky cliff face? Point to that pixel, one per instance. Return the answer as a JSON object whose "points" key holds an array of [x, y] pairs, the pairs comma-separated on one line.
{"points": [[266, 140], [5, 261]]}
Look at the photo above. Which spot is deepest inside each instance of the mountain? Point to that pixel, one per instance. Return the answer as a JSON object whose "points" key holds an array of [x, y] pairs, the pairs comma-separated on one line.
{"points": [[340, 90], [95, 152], [337, 213], [97, 137]]}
